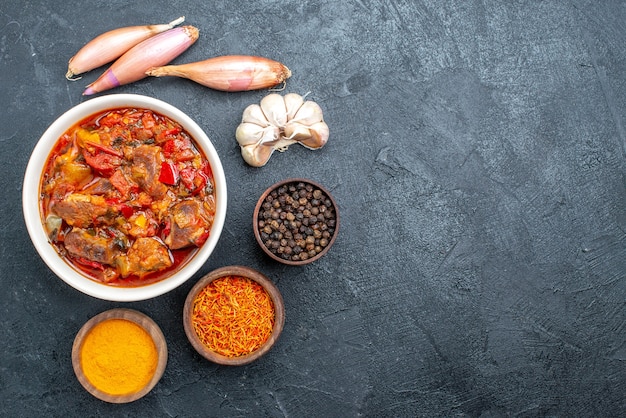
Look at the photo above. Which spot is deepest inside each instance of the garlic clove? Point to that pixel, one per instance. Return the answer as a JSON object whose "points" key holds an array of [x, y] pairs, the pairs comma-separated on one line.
{"points": [[254, 114], [319, 134], [297, 131], [312, 137], [251, 133], [257, 155], [309, 113], [273, 106], [293, 102]]}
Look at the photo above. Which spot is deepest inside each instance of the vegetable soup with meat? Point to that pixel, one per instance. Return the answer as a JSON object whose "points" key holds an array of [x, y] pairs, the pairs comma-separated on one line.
{"points": [[127, 197]]}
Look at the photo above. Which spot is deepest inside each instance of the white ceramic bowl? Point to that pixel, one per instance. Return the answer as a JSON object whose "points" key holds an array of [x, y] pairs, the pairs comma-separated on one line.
{"points": [[34, 223]]}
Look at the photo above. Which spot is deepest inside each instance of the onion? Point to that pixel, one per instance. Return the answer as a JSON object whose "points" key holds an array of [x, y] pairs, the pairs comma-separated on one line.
{"points": [[111, 45], [229, 73], [155, 51]]}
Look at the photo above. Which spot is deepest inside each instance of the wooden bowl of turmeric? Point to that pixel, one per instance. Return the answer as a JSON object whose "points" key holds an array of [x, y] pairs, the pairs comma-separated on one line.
{"points": [[119, 355], [233, 315]]}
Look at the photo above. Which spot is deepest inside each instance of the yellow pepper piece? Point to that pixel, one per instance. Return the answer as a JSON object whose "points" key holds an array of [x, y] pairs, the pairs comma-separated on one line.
{"points": [[75, 172], [83, 136], [141, 221], [124, 266]]}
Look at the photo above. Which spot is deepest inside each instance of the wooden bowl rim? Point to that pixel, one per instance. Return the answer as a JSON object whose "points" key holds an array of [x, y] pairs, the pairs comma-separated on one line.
{"points": [[257, 233], [270, 288], [144, 322]]}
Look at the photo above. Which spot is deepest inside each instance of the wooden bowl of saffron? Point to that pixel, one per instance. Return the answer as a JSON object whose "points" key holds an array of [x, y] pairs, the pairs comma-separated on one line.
{"points": [[233, 315], [119, 355]]}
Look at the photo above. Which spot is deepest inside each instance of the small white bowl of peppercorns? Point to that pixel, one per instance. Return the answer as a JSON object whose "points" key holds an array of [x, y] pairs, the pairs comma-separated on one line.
{"points": [[296, 221]]}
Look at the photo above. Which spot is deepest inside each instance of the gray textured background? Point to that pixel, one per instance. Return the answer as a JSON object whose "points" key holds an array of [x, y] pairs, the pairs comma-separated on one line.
{"points": [[477, 155]]}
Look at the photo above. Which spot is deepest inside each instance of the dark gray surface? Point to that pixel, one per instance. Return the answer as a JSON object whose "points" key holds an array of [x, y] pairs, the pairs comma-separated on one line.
{"points": [[477, 154]]}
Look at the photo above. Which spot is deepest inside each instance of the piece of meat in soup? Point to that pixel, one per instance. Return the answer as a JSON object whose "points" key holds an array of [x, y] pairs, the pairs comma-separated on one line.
{"points": [[148, 255], [188, 225], [82, 244], [82, 210], [147, 160]]}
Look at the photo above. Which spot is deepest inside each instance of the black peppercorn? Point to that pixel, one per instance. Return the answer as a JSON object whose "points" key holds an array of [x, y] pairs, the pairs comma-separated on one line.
{"points": [[296, 221]]}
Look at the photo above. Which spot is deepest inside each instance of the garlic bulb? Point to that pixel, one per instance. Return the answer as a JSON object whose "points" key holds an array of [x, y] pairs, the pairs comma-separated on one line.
{"points": [[276, 123]]}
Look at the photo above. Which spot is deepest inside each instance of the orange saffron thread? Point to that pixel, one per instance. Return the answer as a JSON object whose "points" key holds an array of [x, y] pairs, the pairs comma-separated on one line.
{"points": [[233, 316]]}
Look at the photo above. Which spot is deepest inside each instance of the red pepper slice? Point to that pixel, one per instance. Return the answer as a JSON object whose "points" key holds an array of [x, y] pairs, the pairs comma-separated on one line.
{"points": [[90, 263], [202, 239], [106, 149], [112, 201], [168, 174], [194, 180], [184, 155], [126, 210], [187, 175], [200, 182], [169, 148], [172, 131], [179, 149]]}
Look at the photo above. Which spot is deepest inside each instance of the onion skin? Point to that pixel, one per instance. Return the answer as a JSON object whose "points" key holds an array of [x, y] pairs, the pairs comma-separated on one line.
{"points": [[229, 72], [155, 51], [111, 45]]}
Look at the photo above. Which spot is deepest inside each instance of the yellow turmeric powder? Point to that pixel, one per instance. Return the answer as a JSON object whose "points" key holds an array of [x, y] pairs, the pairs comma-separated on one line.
{"points": [[118, 357]]}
